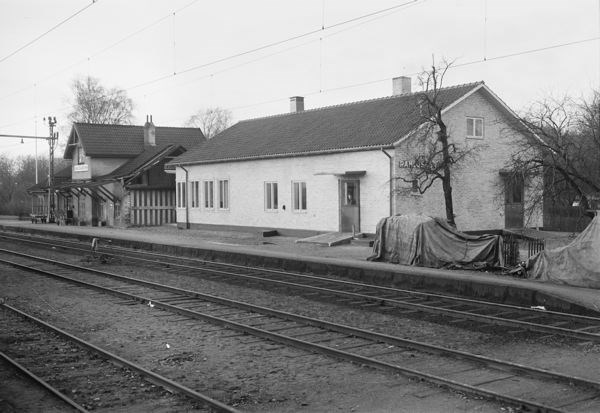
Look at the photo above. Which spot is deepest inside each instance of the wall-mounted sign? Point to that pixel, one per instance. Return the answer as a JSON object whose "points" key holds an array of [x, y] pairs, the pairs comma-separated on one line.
{"points": [[80, 168], [411, 163]]}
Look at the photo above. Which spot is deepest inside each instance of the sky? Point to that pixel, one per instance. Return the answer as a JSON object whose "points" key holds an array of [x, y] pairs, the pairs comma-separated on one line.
{"points": [[176, 57]]}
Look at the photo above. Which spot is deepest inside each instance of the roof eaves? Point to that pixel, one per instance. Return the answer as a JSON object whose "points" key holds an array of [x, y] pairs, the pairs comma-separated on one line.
{"points": [[286, 155]]}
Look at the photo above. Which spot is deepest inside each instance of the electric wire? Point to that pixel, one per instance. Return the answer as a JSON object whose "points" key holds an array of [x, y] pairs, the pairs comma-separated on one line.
{"points": [[48, 31]]}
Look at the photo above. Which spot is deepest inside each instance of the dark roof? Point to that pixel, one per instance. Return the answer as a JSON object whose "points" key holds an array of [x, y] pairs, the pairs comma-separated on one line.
{"points": [[149, 157], [126, 141], [353, 126]]}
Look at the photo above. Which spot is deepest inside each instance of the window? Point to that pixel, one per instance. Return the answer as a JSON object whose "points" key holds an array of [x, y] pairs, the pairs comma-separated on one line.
{"points": [[299, 196], [209, 194], [223, 194], [80, 156], [195, 194], [415, 186], [271, 196], [350, 193], [181, 195], [475, 128]]}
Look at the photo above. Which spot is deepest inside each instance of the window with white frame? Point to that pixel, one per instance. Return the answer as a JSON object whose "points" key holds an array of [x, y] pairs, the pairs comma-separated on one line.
{"points": [[299, 196], [475, 128], [181, 195], [195, 193], [80, 156], [223, 198], [209, 194], [271, 196]]}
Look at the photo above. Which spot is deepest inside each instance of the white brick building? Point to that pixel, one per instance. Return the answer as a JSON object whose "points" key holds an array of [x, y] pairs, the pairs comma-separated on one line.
{"points": [[337, 168]]}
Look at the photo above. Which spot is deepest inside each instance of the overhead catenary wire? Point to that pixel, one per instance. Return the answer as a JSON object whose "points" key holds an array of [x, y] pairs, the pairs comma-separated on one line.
{"points": [[56, 26], [325, 90], [103, 50]]}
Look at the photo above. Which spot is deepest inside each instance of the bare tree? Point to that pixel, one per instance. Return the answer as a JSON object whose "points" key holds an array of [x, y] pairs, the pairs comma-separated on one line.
{"points": [[560, 150], [94, 103], [434, 153], [210, 120]]}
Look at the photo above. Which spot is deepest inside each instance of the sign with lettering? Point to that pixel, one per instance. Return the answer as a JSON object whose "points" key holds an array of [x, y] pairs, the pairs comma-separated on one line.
{"points": [[412, 163], [80, 168]]}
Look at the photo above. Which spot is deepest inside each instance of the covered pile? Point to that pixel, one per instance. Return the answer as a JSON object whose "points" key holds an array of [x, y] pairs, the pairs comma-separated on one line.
{"points": [[424, 241], [577, 263]]}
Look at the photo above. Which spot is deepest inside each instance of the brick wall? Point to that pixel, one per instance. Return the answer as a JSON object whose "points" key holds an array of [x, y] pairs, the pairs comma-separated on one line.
{"points": [[478, 191]]}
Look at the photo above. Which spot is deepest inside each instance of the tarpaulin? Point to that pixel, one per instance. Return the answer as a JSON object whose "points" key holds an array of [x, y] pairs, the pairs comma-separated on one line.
{"points": [[424, 241], [577, 263]]}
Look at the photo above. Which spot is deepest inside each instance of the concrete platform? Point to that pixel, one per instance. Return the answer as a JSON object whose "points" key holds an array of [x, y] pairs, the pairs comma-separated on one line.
{"points": [[347, 260], [330, 239]]}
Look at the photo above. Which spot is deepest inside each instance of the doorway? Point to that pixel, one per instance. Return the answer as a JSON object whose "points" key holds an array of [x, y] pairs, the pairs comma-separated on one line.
{"points": [[349, 194], [514, 195]]}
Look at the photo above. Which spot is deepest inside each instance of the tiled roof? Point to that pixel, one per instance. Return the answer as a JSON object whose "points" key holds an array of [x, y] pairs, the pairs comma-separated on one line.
{"points": [[152, 153], [358, 125], [125, 141]]}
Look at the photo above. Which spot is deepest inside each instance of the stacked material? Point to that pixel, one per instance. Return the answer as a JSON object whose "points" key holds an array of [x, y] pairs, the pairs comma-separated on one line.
{"points": [[424, 241]]}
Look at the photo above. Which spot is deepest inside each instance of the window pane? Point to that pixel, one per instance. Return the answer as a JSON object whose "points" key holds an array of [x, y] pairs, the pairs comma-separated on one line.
{"points": [[296, 196], [479, 127], [469, 127], [220, 194], [303, 195], [275, 195], [267, 195]]}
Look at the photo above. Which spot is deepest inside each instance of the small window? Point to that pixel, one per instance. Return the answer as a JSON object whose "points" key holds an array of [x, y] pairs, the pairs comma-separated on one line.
{"points": [[299, 196], [181, 195], [80, 156], [195, 194], [209, 194], [350, 193], [223, 194], [271, 196], [475, 128], [415, 186]]}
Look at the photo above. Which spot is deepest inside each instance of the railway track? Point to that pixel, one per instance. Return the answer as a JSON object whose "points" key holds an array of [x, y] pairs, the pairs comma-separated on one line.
{"points": [[84, 376], [519, 385], [395, 301]]}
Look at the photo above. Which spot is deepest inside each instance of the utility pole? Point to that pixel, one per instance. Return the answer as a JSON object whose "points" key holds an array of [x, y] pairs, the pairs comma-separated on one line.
{"points": [[52, 139]]}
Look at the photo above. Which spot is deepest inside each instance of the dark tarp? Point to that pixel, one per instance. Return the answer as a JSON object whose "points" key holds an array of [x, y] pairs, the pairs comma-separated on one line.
{"points": [[424, 241], [577, 263]]}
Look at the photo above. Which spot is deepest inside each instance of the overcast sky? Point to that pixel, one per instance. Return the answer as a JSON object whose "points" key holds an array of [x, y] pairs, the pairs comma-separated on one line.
{"points": [[175, 57]]}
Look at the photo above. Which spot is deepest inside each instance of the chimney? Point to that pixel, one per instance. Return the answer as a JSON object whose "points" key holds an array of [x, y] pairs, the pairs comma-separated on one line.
{"points": [[401, 85], [149, 133], [296, 104]]}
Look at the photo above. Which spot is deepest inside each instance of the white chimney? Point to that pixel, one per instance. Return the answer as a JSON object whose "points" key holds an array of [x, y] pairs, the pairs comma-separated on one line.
{"points": [[401, 85], [149, 133], [296, 104]]}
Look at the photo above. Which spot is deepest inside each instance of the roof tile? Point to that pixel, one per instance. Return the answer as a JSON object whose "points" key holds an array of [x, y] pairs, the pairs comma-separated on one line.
{"points": [[371, 123]]}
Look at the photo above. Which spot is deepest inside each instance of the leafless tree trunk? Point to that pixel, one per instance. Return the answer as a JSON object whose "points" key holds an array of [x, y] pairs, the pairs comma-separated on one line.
{"points": [[561, 148], [436, 154]]}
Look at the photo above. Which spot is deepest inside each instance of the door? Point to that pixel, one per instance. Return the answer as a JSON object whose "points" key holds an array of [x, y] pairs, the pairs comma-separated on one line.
{"points": [[97, 210], [349, 205], [514, 202]]}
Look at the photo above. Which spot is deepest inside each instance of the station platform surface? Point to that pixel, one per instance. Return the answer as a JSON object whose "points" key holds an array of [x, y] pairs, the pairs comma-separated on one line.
{"points": [[348, 260]]}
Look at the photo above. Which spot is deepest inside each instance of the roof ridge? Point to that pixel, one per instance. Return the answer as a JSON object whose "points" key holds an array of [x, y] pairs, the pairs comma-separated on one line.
{"points": [[381, 98], [133, 126]]}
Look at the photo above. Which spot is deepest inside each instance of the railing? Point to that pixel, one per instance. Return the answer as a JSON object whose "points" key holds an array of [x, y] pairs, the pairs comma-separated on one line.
{"points": [[511, 250], [535, 245], [512, 243]]}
